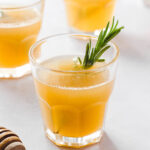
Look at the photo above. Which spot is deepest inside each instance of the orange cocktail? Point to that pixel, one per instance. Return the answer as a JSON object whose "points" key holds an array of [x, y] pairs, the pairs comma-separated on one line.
{"points": [[89, 15], [19, 28], [73, 105], [17, 33], [72, 100]]}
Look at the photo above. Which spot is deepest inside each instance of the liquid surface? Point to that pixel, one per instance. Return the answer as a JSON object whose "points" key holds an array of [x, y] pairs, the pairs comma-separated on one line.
{"points": [[89, 15], [18, 31], [72, 104]]}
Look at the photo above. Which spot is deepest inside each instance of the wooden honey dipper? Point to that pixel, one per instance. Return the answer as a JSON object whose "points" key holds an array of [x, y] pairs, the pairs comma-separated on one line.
{"points": [[9, 140]]}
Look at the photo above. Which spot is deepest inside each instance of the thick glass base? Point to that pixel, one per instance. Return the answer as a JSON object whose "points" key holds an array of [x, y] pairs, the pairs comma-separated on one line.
{"points": [[74, 30], [74, 142], [15, 72], [95, 32]]}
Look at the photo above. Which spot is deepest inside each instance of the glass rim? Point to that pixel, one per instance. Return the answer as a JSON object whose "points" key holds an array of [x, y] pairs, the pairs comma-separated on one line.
{"points": [[32, 60], [21, 7]]}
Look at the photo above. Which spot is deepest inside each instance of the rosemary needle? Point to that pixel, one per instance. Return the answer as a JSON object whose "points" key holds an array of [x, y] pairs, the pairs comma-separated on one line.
{"points": [[92, 55]]}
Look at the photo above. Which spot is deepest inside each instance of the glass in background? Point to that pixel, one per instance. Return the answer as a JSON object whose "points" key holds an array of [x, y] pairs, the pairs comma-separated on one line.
{"points": [[20, 23], [89, 15], [73, 102]]}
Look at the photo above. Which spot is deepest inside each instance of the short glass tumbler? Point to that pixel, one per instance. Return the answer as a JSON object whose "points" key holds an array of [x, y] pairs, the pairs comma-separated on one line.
{"points": [[89, 15], [72, 102], [20, 23]]}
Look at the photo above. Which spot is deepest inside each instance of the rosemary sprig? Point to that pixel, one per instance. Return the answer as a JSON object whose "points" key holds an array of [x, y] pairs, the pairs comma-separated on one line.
{"points": [[92, 55]]}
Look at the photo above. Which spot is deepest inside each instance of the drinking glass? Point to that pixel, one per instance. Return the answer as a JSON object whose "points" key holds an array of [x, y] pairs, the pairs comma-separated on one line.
{"points": [[20, 23], [73, 102], [89, 15]]}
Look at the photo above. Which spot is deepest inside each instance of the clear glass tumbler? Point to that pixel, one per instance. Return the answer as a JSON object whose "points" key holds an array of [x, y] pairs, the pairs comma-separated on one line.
{"points": [[89, 15], [20, 23], [72, 101]]}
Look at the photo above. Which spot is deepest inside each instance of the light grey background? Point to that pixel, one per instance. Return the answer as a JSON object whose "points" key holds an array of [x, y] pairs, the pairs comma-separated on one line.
{"points": [[128, 117]]}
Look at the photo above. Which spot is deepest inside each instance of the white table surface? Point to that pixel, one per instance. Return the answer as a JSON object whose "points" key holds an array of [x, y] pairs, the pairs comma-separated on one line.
{"points": [[128, 117]]}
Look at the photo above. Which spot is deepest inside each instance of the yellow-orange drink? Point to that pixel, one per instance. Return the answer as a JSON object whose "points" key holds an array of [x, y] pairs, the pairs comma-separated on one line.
{"points": [[73, 105], [72, 99], [89, 15], [18, 31]]}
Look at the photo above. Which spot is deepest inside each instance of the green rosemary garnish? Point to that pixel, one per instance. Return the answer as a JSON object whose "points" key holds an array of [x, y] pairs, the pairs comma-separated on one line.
{"points": [[92, 55]]}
